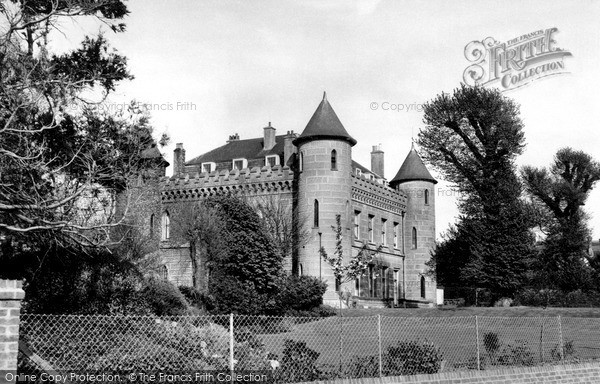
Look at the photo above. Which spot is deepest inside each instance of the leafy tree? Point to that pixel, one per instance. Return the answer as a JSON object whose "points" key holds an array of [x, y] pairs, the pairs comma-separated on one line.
{"points": [[472, 138], [562, 190], [60, 159]]}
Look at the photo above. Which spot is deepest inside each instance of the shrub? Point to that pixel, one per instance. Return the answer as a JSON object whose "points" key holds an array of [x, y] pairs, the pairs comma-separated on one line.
{"points": [[298, 363], [164, 298], [557, 298], [412, 358], [362, 366], [298, 293]]}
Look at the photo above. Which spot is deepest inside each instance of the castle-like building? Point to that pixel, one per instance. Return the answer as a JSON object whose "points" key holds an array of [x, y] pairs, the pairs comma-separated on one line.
{"points": [[314, 175]]}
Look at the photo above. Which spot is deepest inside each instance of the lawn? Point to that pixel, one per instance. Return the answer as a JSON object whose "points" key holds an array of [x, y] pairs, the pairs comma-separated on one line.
{"points": [[475, 311]]}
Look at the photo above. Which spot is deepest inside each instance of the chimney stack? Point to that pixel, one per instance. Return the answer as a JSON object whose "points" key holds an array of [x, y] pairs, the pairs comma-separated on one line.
{"points": [[269, 137], [377, 161], [234, 137], [288, 147], [178, 160]]}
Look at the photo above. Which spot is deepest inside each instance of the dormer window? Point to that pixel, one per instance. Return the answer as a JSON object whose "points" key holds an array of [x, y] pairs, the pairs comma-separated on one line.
{"points": [[208, 167], [272, 160], [358, 172], [239, 164]]}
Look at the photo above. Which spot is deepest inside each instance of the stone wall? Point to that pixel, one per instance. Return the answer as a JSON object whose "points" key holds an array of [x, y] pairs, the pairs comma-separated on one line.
{"points": [[585, 373], [11, 295]]}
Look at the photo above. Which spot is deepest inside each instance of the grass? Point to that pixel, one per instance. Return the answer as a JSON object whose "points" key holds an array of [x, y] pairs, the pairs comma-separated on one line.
{"points": [[475, 311], [535, 330]]}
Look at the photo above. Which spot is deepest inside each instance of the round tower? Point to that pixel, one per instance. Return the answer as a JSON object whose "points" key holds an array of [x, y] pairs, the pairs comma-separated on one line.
{"points": [[324, 191], [414, 179]]}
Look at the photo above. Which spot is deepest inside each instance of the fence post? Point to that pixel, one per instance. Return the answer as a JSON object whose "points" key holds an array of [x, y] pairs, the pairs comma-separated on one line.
{"points": [[477, 341], [231, 365], [560, 340], [11, 294], [379, 343]]}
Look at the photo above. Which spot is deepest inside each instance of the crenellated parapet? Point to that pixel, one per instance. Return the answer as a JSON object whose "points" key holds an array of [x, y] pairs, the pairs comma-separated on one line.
{"points": [[249, 182], [378, 195]]}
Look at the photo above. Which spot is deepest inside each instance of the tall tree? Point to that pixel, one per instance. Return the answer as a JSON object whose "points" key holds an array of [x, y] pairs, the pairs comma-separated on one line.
{"points": [[472, 138], [60, 158], [562, 190]]}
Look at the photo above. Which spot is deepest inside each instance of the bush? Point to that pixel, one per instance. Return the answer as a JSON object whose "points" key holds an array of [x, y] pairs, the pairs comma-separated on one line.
{"points": [[412, 358], [557, 298], [298, 293], [164, 298], [298, 363]]}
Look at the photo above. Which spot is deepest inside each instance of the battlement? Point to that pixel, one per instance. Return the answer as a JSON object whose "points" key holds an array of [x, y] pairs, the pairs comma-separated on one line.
{"points": [[248, 181], [379, 195]]}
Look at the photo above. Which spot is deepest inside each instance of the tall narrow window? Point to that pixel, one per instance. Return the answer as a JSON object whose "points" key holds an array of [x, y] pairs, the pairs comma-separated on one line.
{"points": [[422, 287], [164, 273], [301, 165], [384, 282], [166, 226], [301, 270], [371, 282], [356, 225], [334, 160], [316, 214], [371, 224], [383, 231], [414, 238], [338, 284], [427, 197], [396, 235], [152, 225], [357, 286]]}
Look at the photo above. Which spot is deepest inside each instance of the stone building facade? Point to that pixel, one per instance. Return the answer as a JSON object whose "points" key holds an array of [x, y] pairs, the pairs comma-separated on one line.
{"points": [[314, 174]]}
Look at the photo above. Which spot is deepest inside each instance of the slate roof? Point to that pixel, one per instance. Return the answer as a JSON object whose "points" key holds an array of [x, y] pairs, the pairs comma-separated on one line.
{"points": [[364, 169], [247, 149], [324, 124], [153, 153], [413, 169]]}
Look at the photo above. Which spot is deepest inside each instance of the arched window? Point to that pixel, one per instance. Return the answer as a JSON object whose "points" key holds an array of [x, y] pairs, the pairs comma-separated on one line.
{"points": [[316, 214], [164, 273], [152, 225], [301, 165], [422, 287], [165, 226], [414, 238], [334, 160], [427, 197], [301, 270]]}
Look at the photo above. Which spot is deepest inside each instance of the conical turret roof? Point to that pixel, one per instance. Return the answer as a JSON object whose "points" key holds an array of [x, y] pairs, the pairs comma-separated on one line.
{"points": [[324, 124], [412, 169]]}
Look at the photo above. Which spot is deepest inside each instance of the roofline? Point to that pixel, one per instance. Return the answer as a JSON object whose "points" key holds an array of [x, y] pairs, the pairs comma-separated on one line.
{"points": [[398, 181], [299, 140]]}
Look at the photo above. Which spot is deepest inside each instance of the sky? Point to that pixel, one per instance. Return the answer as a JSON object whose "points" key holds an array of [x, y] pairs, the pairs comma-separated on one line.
{"points": [[210, 69]]}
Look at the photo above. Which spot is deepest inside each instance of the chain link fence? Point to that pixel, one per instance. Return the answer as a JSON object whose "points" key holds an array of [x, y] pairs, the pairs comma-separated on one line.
{"points": [[297, 349]]}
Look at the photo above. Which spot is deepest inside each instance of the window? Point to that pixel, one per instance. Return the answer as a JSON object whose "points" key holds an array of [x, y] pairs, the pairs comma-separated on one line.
{"points": [[316, 214], [423, 287], [239, 164], [301, 270], [338, 284], [371, 224], [301, 165], [358, 172], [272, 160], [356, 225], [383, 230], [165, 226], [334, 160], [396, 226], [164, 273], [152, 225], [414, 238], [384, 282], [371, 281], [357, 286], [426, 197], [208, 167]]}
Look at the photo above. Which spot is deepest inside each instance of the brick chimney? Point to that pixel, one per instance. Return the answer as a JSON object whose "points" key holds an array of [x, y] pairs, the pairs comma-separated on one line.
{"points": [[288, 147], [178, 160], [269, 137], [234, 137], [377, 160]]}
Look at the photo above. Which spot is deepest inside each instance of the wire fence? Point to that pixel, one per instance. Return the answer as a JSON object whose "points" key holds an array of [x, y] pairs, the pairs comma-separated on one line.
{"points": [[297, 349]]}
